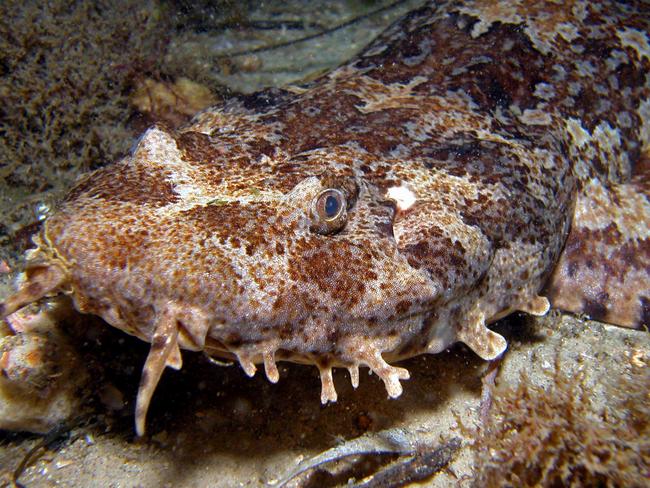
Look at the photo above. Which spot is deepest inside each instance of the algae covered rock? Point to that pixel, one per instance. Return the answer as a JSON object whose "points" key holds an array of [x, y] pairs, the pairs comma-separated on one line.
{"points": [[41, 378]]}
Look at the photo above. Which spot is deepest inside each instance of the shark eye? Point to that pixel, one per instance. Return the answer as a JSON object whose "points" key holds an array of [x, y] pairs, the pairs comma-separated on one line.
{"points": [[328, 211]]}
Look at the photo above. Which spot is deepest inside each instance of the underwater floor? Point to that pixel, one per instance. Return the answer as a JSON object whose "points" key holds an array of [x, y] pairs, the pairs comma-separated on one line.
{"points": [[569, 394]]}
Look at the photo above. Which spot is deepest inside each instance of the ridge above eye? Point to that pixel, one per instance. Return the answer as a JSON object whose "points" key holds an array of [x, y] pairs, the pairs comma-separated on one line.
{"points": [[328, 211]]}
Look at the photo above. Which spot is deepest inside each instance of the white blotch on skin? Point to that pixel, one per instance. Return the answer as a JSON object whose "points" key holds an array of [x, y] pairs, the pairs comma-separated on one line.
{"points": [[624, 119], [579, 134], [644, 114], [615, 59], [604, 106], [635, 39], [574, 88], [403, 196], [585, 69], [535, 117], [544, 91], [559, 73], [568, 31]]}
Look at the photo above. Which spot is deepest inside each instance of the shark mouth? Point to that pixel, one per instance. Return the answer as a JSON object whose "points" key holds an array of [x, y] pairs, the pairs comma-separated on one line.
{"points": [[171, 335]]}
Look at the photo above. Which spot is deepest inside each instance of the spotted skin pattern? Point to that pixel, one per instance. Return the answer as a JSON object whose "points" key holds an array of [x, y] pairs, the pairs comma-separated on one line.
{"points": [[463, 148]]}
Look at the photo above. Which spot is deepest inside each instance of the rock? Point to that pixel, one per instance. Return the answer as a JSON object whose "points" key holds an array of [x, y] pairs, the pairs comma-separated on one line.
{"points": [[41, 379]]}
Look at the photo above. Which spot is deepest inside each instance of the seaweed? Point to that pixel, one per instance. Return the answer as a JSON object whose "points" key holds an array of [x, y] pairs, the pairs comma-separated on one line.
{"points": [[554, 436], [66, 69]]}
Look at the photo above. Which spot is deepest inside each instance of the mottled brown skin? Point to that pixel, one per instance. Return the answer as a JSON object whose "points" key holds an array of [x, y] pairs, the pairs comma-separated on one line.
{"points": [[463, 145]]}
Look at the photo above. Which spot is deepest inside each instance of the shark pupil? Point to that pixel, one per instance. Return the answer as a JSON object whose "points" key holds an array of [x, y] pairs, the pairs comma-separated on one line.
{"points": [[332, 206]]}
